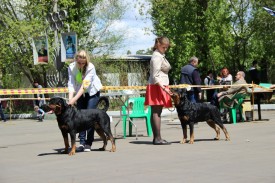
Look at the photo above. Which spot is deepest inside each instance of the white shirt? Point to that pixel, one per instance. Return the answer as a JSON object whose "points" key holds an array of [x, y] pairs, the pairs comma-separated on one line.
{"points": [[206, 81], [90, 75]]}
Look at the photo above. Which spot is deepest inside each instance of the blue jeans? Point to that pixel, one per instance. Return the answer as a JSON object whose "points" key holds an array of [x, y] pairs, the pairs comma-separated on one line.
{"points": [[87, 102], [215, 100], [192, 97]]}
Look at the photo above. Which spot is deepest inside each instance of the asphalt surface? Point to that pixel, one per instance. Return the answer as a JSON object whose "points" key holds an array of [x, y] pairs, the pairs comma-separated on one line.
{"points": [[29, 153]]}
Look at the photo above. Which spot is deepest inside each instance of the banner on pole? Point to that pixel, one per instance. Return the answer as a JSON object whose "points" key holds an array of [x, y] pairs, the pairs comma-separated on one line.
{"points": [[40, 50], [68, 46]]}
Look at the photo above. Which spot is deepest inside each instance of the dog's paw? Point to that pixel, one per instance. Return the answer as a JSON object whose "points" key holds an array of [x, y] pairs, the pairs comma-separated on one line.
{"points": [[183, 141], [191, 141], [102, 149], [227, 139], [112, 150], [72, 153]]}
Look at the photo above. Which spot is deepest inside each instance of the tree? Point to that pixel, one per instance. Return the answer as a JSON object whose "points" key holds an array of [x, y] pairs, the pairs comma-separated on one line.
{"points": [[183, 23], [22, 20], [144, 52], [262, 42], [219, 32]]}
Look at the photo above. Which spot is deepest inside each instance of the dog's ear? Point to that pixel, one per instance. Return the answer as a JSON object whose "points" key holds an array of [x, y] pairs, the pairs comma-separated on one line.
{"points": [[176, 98], [64, 103], [45, 108], [54, 100]]}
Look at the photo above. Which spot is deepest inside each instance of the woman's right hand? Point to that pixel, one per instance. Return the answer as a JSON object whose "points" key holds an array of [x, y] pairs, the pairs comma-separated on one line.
{"points": [[167, 90]]}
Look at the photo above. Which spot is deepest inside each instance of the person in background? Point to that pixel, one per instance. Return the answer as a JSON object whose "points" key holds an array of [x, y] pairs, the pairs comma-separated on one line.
{"points": [[43, 51], [209, 81], [226, 78], [3, 117], [158, 94], [84, 89], [254, 73], [40, 97], [190, 75], [237, 87], [40, 113]]}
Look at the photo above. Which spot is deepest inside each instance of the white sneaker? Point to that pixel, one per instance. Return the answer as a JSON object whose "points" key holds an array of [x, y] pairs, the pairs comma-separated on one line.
{"points": [[87, 148], [80, 148]]}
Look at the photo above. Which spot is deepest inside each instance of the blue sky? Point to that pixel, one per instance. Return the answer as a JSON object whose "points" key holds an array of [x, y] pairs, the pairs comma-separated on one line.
{"points": [[136, 37]]}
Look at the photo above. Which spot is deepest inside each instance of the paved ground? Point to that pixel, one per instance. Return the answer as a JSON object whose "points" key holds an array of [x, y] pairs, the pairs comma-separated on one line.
{"points": [[29, 154]]}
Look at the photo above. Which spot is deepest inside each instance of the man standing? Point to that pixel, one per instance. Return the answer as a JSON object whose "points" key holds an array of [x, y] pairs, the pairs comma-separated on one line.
{"points": [[2, 113], [3, 117], [254, 73], [209, 81], [190, 75], [40, 97]]}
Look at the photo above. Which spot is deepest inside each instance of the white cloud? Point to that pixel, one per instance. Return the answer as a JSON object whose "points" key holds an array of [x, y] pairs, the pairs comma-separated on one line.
{"points": [[134, 24]]}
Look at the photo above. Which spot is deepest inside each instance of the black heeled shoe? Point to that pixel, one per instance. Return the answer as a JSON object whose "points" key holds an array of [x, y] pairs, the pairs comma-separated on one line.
{"points": [[161, 142]]}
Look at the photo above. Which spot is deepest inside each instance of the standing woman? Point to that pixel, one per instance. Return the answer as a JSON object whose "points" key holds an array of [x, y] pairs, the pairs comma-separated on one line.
{"points": [[158, 95], [85, 84]]}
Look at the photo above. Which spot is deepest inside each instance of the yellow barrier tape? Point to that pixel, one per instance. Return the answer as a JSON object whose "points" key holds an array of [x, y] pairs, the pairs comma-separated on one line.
{"points": [[65, 90], [32, 91], [123, 87]]}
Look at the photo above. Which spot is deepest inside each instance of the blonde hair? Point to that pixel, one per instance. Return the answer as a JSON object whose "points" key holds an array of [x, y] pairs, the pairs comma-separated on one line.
{"points": [[160, 41], [82, 54]]}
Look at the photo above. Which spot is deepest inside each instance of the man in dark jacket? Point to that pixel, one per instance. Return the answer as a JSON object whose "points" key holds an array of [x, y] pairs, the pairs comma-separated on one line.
{"points": [[190, 75], [254, 73]]}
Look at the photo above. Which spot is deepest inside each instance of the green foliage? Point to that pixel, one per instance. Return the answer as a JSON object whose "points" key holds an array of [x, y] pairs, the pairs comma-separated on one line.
{"points": [[144, 52], [18, 106], [123, 67], [20, 21], [219, 32]]}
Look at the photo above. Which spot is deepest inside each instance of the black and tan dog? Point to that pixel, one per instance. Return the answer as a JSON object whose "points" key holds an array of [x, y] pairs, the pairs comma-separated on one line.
{"points": [[72, 121], [190, 113]]}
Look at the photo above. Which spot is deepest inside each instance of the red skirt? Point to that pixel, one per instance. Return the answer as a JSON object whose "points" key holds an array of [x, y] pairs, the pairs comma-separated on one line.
{"points": [[155, 95]]}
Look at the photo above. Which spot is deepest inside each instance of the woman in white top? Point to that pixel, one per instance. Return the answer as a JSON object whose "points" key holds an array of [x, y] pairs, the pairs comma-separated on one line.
{"points": [[226, 78], [84, 88], [158, 95]]}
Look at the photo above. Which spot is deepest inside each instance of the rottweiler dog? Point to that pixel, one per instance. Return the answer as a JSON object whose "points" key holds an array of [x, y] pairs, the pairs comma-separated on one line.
{"points": [[190, 113], [72, 121]]}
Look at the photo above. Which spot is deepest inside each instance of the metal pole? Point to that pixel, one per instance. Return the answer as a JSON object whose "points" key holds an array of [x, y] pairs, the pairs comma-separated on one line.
{"points": [[56, 39], [59, 65]]}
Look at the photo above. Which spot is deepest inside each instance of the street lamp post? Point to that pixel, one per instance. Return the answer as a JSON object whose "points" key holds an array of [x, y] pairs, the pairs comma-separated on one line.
{"points": [[55, 20]]}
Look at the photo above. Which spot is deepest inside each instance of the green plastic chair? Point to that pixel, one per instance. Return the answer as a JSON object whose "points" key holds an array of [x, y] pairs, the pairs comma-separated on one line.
{"points": [[237, 100], [138, 111], [265, 85]]}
